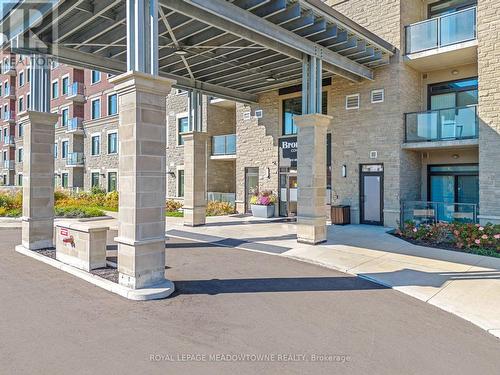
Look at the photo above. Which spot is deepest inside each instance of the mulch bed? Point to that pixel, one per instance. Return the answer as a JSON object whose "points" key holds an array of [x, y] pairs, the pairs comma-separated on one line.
{"points": [[440, 246], [108, 273]]}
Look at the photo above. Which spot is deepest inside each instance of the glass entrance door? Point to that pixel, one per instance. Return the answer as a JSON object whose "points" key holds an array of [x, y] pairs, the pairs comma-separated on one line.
{"points": [[288, 192], [251, 185], [371, 194]]}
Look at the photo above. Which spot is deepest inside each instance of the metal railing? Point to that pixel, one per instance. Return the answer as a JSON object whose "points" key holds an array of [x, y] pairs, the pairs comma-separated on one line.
{"points": [[444, 124], [8, 115], [8, 140], [423, 212], [221, 197], [442, 31], [76, 88], [75, 158], [8, 164], [224, 145], [75, 123]]}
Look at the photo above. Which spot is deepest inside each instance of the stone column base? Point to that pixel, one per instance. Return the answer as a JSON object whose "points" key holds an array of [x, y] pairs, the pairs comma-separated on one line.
{"points": [[141, 263], [195, 217], [36, 233], [311, 231]]}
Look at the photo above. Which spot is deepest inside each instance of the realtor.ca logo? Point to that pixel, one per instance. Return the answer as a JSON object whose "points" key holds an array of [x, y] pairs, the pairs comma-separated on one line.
{"points": [[30, 28]]}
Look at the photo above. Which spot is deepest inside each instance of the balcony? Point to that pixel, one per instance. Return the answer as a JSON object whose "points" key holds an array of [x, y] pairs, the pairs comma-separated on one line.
{"points": [[76, 92], [9, 116], [75, 159], [224, 146], [453, 127], [442, 42], [9, 140], [75, 125], [9, 92], [423, 212], [9, 69], [8, 165]]}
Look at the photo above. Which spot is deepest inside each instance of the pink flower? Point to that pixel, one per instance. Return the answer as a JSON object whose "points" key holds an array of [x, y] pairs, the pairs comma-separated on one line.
{"points": [[497, 236], [477, 242], [484, 237], [415, 230], [477, 225], [481, 228]]}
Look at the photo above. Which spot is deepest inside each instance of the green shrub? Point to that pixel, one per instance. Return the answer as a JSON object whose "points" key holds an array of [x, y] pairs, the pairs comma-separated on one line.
{"points": [[78, 212], [174, 213], [97, 190]]}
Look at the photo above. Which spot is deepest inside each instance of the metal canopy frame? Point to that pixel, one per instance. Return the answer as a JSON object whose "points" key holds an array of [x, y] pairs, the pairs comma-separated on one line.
{"points": [[232, 49]]}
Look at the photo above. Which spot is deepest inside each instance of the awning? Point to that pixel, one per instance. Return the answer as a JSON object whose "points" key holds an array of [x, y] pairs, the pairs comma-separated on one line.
{"points": [[230, 49]]}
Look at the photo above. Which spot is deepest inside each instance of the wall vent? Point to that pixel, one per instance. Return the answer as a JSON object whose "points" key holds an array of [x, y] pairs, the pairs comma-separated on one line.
{"points": [[373, 154], [352, 101], [259, 113], [378, 96], [246, 116]]}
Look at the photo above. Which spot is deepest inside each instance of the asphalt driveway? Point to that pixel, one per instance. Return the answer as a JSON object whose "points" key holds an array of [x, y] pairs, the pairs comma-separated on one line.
{"points": [[234, 311]]}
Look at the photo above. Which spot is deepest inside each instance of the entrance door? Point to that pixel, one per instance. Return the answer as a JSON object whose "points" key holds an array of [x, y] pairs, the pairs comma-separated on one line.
{"points": [[371, 194], [288, 192], [251, 185]]}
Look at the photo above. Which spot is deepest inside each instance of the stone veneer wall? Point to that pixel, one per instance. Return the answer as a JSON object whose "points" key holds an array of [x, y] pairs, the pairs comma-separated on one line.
{"points": [[378, 127], [488, 13], [257, 145]]}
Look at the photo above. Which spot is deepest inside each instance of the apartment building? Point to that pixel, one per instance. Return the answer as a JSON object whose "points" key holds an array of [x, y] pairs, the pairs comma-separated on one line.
{"points": [[420, 141]]}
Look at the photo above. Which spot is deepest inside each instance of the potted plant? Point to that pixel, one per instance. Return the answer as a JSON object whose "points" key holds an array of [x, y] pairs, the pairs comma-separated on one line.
{"points": [[262, 204]]}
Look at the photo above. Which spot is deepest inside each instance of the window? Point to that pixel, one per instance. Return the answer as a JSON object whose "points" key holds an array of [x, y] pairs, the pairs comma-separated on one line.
{"points": [[64, 180], [111, 181], [28, 101], [20, 155], [65, 85], [180, 183], [20, 179], [21, 78], [28, 75], [96, 144], [64, 149], [293, 107], [441, 8], [112, 105], [112, 143], [94, 181], [64, 117], [378, 96], [20, 130], [20, 104], [96, 109], [453, 94], [182, 127], [55, 90], [5, 155], [96, 76], [55, 150], [352, 101]]}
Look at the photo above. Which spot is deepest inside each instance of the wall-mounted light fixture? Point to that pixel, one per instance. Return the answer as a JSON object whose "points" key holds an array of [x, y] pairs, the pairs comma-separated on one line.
{"points": [[344, 171], [268, 172]]}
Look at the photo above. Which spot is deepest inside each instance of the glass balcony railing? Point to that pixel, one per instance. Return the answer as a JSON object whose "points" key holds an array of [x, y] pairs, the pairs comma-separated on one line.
{"points": [[8, 140], [74, 158], [423, 212], [441, 125], [76, 88], [76, 123], [441, 31], [224, 145], [8, 115], [8, 164]]}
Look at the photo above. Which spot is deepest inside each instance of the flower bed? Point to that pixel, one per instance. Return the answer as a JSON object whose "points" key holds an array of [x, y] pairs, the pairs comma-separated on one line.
{"points": [[470, 238], [214, 208]]}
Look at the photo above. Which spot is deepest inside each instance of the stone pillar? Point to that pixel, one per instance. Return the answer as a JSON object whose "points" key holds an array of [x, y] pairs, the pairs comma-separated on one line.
{"points": [[488, 110], [195, 178], [311, 177], [141, 178], [38, 179]]}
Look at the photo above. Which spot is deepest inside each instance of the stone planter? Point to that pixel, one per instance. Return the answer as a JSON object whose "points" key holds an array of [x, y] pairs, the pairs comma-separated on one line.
{"points": [[262, 211]]}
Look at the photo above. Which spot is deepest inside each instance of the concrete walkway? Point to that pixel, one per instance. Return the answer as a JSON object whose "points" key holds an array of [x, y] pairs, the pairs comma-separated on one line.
{"points": [[464, 284]]}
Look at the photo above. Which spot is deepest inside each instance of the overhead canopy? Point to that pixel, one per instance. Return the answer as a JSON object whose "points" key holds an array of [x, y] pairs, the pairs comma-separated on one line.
{"points": [[230, 49]]}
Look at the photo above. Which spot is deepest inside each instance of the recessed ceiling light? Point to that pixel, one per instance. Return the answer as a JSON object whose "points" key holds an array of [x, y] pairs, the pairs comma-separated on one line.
{"points": [[181, 52]]}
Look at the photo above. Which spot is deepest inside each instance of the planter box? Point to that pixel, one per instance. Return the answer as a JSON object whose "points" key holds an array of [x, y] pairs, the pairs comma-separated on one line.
{"points": [[262, 211], [341, 215]]}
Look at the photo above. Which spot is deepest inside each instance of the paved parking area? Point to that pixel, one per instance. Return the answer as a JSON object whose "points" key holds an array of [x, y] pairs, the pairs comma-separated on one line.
{"points": [[228, 302]]}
